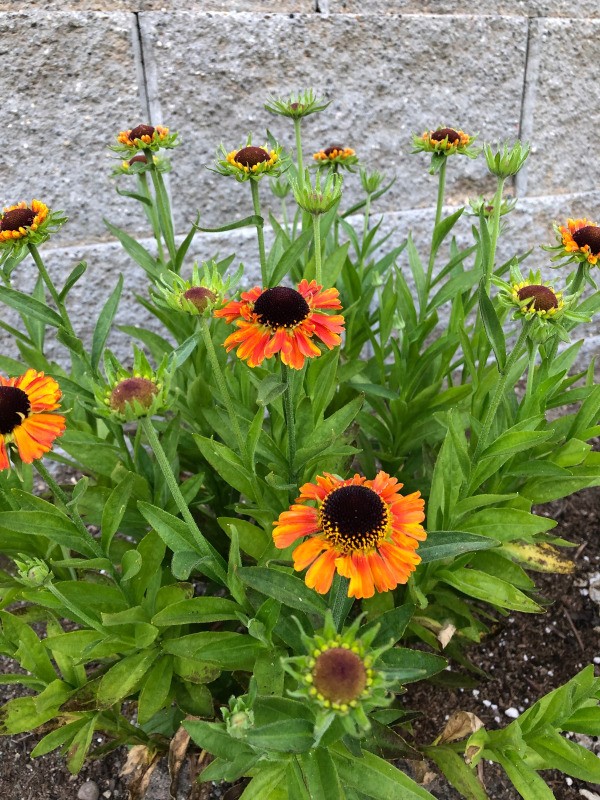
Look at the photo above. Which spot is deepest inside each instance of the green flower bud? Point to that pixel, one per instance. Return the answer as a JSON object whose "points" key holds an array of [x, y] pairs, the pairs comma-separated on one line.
{"points": [[507, 161]]}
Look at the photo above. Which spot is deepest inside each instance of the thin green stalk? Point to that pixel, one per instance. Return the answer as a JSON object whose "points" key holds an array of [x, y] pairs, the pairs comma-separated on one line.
{"points": [[299, 159], [51, 287], [438, 218], [338, 600], [164, 213], [217, 569], [75, 610], [500, 389], [494, 233], [364, 237], [259, 233], [151, 213], [578, 279], [531, 371], [288, 407], [221, 383], [62, 501], [316, 219]]}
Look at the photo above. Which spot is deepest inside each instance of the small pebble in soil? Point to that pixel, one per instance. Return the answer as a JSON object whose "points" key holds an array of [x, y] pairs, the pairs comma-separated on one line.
{"points": [[88, 791], [512, 712], [569, 781], [596, 660]]}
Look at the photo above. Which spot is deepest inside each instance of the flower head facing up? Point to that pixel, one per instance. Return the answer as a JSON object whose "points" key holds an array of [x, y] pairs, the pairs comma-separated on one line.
{"points": [[363, 529], [297, 105], [199, 294], [145, 137], [283, 320], [250, 162], [341, 676], [131, 394], [579, 241], [481, 205], [25, 421], [336, 154], [537, 298]]}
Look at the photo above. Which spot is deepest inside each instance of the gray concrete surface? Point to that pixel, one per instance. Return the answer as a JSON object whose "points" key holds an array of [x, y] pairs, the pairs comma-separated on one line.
{"points": [[75, 72]]}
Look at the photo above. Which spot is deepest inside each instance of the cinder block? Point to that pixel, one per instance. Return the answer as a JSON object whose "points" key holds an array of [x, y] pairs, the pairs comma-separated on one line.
{"points": [[523, 8], [563, 158], [387, 77], [68, 84], [260, 6]]}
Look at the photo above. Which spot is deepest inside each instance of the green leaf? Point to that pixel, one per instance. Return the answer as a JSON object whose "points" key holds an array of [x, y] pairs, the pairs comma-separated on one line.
{"points": [[56, 527], [28, 307], [115, 509], [457, 772], [443, 228], [288, 589], [525, 780], [492, 326], [232, 226], [21, 716], [104, 323], [283, 736], [76, 273], [584, 720], [80, 745], [252, 539], [226, 463], [489, 588], [507, 524], [155, 692], [214, 738], [268, 784], [405, 666], [567, 756], [124, 677], [134, 249], [449, 544], [269, 389], [197, 610], [290, 257], [226, 649], [392, 625], [376, 778]]}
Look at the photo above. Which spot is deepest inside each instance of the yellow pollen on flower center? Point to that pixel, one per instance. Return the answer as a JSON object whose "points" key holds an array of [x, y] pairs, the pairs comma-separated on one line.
{"points": [[354, 518]]}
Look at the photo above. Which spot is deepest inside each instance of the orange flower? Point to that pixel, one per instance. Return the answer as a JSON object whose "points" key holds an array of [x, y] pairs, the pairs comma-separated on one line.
{"points": [[583, 237], [23, 401], [283, 320], [364, 529], [18, 220]]}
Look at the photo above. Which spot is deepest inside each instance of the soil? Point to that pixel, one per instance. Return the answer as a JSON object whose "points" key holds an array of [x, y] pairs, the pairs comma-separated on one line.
{"points": [[526, 656]]}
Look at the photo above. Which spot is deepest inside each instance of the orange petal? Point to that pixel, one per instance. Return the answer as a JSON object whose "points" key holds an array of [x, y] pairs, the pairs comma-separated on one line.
{"points": [[4, 462], [361, 582], [320, 574], [306, 552], [35, 436], [382, 576]]}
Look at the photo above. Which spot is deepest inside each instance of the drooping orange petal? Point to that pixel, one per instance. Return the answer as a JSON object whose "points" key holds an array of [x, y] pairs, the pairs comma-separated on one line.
{"points": [[306, 552], [36, 435], [398, 561], [320, 574], [4, 462], [385, 486], [328, 328], [382, 576]]}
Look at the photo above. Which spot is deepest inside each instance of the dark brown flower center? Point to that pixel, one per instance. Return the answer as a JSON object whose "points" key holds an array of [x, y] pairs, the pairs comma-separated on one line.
{"points": [[354, 518], [17, 218], [251, 156], [141, 158], [330, 150], [281, 307], [439, 136], [127, 391], [141, 130], [14, 407], [589, 235], [542, 297], [339, 675], [199, 296]]}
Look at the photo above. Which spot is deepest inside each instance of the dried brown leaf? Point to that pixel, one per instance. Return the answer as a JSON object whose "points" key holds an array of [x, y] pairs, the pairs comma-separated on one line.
{"points": [[446, 633], [460, 725], [141, 763], [177, 750]]}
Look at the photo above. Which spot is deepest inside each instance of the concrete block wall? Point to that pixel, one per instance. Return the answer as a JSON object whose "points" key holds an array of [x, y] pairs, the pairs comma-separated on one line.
{"points": [[75, 72]]}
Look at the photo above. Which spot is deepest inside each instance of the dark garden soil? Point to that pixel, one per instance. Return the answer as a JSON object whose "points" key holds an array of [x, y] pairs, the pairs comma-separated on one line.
{"points": [[526, 657]]}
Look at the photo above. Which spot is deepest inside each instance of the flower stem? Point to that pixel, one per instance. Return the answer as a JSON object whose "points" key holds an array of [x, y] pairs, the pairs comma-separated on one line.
{"points": [[489, 267], [578, 279], [438, 218], [220, 378], [299, 159], [288, 407], [317, 239], [364, 239], [62, 501], [216, 570], [500, 388], [259, 233], [151, 213], [51, 287], [164, 211]]}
